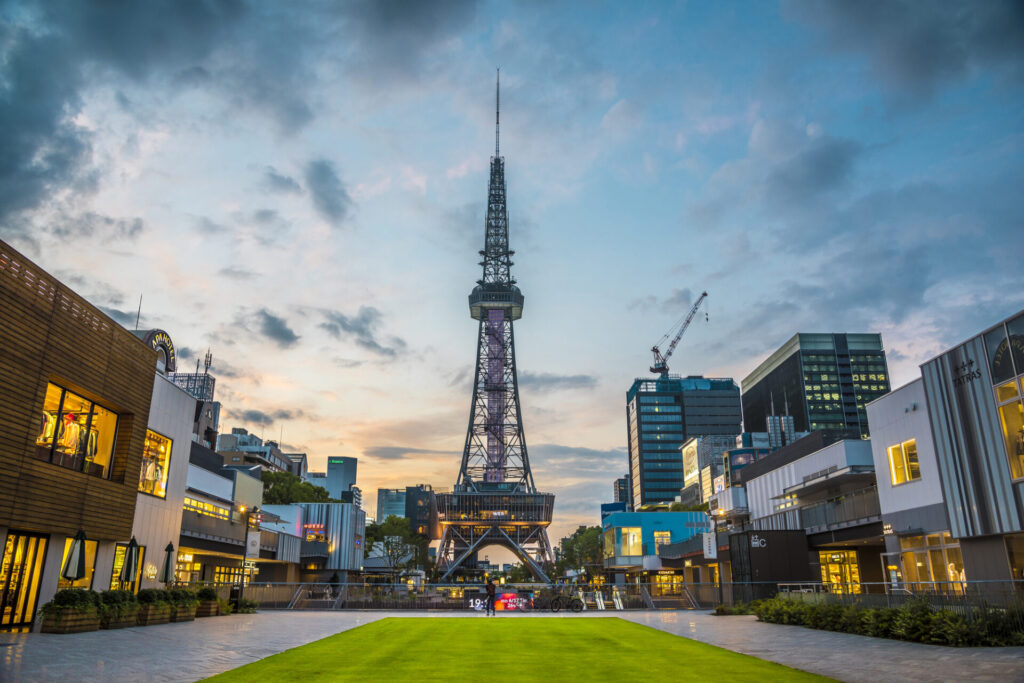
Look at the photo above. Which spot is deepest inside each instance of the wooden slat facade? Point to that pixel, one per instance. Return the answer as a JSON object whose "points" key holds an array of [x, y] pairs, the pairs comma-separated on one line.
{"points": [[50, 334]]}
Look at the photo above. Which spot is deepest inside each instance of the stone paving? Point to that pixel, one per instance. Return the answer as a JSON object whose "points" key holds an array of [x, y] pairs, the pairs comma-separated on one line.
{"points": [[195, 650]]}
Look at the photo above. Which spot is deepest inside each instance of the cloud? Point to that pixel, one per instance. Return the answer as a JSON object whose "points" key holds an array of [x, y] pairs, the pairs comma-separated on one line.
{"points": [[823, 167], [237, 273], [276, 329], [121, 317], [401, 452], [90, 225], [914, 48], [278, 182], [330, 198], [677, 299], [546, 381], [260, 417], [362, 328]]}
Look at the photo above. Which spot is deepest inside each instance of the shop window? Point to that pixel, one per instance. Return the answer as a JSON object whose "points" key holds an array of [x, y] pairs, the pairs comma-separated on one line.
{"points": [[631, 543], [1011, 415], [156, 458], [1016, 330], [1006, 392], [208, 509], [932, 562], [840, 570], [1015, 552], [662, 538], [609, 544], [903, 462], [76, 433], [90, 566], [21, 571], [115, 577]]}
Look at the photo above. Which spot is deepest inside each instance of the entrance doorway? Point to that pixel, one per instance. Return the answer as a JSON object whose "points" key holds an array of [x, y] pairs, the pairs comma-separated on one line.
{"points": [[20, 574], [840, 571]]}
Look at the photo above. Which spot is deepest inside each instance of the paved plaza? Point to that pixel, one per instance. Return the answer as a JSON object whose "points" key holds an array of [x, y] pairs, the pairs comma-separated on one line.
{"points": [[195, 650]]}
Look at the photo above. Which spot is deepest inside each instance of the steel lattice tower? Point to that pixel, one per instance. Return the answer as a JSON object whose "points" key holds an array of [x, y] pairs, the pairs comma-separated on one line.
{"points": [[495, 501]]}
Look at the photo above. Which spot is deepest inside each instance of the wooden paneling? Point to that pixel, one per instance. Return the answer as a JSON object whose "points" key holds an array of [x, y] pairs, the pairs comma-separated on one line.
{"points": [[50, 334]]}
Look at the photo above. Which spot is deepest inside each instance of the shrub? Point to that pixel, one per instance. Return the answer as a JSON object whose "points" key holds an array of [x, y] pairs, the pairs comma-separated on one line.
{"points": [[853, 619], [950, 628], [149, 596], [914, 621], [247, 606], [225, 606], [75, 597], [879, 622], [181, 596], [117, 597], [207, 594]]}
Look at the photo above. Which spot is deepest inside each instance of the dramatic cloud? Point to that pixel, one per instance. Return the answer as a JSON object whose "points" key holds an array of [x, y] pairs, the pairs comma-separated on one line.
{"points": [[330, 198], [546, 381], [260, 417], [278, 182], [915, 47], [678, 299], [237, 273], [276, 329], [824, 166], [362, 328], [401, 452]]}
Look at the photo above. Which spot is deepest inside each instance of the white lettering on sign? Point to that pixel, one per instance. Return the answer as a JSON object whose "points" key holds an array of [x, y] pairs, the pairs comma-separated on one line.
{"points": [[757, 542]]}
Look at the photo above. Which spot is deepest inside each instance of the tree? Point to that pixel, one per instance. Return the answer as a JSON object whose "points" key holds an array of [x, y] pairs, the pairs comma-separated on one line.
{"points": [[398, 543], [679, 507], [284, 488], [583, 550]]}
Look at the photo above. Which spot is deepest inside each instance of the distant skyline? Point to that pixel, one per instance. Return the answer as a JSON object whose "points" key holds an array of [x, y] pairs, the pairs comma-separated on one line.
{"points": [[302, 188]]}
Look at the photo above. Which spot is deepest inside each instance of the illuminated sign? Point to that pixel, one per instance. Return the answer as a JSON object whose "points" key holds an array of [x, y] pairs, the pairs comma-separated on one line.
{"points": [[503, 602], [184, 557], [161, 342], [887, 529]]}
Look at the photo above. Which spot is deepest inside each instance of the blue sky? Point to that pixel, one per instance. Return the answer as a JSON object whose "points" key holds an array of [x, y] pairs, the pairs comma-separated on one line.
{"points": [[302, 189]]}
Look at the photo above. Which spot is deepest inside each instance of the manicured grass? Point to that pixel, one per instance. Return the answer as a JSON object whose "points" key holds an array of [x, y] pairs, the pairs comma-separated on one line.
{"points": [[509, 649]]}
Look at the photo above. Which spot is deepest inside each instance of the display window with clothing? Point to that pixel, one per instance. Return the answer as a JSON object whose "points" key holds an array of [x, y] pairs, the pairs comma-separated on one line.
{"points": [[156, 458], [75, 432]]}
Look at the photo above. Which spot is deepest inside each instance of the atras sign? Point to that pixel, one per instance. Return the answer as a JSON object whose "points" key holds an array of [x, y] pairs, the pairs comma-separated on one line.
{"points": [[965, 372]]}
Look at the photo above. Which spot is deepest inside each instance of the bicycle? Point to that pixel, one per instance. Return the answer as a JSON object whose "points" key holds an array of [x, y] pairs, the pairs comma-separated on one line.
{"points": [[566, 601]]}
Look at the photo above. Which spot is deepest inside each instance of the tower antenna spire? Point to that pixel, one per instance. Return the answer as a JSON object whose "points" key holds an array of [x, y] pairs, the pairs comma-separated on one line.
{"points": [[497, 114]]}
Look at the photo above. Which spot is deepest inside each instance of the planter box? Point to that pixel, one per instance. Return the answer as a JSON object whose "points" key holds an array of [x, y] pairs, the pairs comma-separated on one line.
{"points": [[208, 608], [129, 618], [183, 612], [154, 613], [70, 620]]}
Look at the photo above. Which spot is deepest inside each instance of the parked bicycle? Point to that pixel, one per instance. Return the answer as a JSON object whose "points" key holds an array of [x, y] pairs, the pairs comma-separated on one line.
{"points": [[560, 602]]}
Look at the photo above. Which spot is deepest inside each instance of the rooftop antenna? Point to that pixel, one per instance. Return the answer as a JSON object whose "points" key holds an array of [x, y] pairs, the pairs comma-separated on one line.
{"points": [[139, 314], [208, 361], [497, 114]]}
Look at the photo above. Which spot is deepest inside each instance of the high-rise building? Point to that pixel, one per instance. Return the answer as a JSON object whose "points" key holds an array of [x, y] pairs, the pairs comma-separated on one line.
{"points": [[421, 511], [390, 503], [620, 490], [664, 412], [824, 381], [341, 475]]}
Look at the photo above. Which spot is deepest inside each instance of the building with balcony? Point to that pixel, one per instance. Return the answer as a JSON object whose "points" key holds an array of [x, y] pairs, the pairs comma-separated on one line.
{"points": [[631, 541], [240, 449]]}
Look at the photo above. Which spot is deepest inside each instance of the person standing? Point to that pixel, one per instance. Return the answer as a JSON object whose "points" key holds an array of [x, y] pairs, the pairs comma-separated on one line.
{"points": [[490, 596]]}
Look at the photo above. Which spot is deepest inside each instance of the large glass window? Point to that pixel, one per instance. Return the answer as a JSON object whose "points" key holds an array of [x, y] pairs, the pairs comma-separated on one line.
{"points": [[208, 509], [903, 463], [1000, 362], [662, 538], [631, 541], [1016, 329], [90, 566], [1011, 416], [75, 432], [115, 577], [21, 571], [156, 458], [932, 562], [1015, 551]]}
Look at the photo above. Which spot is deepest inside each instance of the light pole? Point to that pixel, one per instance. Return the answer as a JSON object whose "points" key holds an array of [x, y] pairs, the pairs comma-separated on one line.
{"points": [[245, 546]]}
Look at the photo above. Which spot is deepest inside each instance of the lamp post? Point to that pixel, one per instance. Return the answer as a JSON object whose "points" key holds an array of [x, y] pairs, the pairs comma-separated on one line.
{"points": [[245, 545]]}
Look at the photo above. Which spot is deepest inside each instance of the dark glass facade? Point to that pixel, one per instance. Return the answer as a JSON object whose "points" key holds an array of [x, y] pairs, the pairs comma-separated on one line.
{"points": [[661, 414], [824, 380]]}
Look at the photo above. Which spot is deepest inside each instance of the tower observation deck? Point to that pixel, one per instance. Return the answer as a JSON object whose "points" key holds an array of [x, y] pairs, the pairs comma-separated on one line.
{"points": [[495, 501]]}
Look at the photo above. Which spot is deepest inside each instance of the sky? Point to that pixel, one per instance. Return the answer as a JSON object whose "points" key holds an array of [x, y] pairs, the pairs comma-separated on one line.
{"points": [[300, 188]]}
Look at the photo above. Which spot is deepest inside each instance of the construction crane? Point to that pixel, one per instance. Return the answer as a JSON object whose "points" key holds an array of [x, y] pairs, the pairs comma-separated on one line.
{"points": [[661, 361]]}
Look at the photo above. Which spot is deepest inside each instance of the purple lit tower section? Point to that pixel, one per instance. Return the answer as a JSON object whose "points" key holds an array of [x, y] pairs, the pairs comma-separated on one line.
{"points": [[496, 396]]}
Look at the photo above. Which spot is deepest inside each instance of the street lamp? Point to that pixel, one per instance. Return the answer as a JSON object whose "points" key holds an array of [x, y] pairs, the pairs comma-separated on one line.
{"points": [[249, 514]]}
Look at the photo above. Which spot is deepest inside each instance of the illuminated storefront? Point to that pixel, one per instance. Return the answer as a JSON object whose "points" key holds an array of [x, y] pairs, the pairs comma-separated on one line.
{"points": [[840, 570]]}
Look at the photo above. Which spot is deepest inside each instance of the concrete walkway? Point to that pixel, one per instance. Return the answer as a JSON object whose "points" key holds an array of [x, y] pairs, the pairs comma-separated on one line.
{"points": [[195, 650]]}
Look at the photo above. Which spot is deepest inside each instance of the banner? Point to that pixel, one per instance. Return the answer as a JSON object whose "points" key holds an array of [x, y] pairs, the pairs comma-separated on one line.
{"points": [[710, 545]]}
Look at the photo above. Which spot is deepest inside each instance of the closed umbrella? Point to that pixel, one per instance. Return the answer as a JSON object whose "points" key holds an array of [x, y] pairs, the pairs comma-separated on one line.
{"points": [[167, 573], [74, 568], [130, 567]]}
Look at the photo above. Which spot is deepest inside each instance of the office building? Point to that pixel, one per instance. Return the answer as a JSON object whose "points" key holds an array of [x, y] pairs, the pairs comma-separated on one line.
{"points": [[341, 475], [390, 503], [332, 537], [241, 449], [661, 414], [824, 381], [620, 490], [421, 511], [299, 464]]}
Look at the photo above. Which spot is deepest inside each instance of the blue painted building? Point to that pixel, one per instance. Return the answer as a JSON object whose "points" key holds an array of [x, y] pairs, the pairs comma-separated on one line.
{"points": [[631, 540]]}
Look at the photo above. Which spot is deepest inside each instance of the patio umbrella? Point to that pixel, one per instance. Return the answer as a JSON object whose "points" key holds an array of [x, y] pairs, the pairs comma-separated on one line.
{"points": [[130, 566], [74, 568], [167, 573]]}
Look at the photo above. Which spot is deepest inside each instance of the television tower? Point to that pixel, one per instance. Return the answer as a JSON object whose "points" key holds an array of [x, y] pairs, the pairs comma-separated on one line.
{"points": [[495, 501]]}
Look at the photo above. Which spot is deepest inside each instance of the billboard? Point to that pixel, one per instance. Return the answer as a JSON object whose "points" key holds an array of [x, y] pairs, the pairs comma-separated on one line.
{"points": [[503, 602], [691, 463]]}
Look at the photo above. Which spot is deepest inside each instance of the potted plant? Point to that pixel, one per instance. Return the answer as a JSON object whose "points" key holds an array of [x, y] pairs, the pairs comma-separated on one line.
{"points": [[208, 606], [247, 606], [73, 610], [183, 604], [153, 607], [224, 606], [118, 609]]}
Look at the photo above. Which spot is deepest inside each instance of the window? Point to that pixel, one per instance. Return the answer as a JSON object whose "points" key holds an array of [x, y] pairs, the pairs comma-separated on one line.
{"points": [[630, 541], [903, 463], [75, 432], [1011, 415], [208, 509], [115, 577], [156, 457], [662, 537], [90, 566]]}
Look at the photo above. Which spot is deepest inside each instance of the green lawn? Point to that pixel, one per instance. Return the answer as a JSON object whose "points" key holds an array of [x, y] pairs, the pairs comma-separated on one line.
{"points": [[509, 649]]}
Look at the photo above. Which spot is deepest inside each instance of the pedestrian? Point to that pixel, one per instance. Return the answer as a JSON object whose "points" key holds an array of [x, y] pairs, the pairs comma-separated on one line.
{"points": [[490, 597]]}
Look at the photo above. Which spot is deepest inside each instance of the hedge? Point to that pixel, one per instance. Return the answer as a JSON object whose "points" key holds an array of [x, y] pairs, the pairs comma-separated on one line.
{"points": [[916, 621]]}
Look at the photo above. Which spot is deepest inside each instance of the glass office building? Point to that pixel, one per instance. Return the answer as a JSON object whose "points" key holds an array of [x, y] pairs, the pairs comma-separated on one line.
{"points": [[664, 412], [824, 381]]}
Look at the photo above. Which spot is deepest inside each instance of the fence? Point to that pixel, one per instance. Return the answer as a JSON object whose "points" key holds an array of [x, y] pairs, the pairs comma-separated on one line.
{"points": [[964, 597]]}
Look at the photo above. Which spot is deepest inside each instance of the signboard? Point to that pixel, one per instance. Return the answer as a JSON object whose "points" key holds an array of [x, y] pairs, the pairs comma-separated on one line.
{"points": [[690, 462], [252, 543], [710, 545], [503, 602]]}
